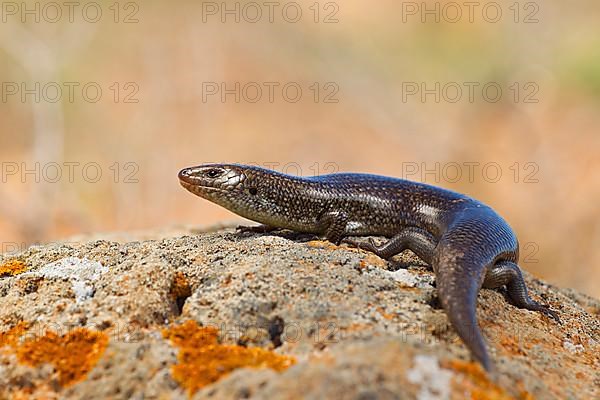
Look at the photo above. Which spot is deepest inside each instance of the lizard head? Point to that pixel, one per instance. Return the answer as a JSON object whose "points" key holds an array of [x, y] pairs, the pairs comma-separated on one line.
{"points": [[245, 190]]}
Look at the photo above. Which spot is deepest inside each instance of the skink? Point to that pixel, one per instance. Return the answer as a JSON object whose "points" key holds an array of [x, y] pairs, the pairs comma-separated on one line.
{"points": [[467, 244]]}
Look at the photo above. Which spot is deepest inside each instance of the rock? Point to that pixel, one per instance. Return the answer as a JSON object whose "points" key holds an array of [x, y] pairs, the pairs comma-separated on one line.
{"points": [[295, 317]]}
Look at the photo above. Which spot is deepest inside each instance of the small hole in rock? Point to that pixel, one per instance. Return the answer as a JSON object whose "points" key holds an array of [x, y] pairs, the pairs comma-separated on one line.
{"points": [[180, 291], [434, 302], [276, 327]]}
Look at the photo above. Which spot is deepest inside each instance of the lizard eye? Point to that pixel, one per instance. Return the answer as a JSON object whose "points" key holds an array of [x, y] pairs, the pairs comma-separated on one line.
{"points": [[213, 172]]}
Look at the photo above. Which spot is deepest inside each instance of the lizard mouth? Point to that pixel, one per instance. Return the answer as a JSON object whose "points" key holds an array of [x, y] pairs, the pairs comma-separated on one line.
{"points": [[197, 188], [196, 185]]}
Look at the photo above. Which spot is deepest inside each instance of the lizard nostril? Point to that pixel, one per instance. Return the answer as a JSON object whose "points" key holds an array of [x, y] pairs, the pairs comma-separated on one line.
{"points": [[184, 174]]}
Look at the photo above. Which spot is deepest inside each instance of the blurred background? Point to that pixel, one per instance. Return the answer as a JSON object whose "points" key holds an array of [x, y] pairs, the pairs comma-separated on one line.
{"points": [[103, 102]]}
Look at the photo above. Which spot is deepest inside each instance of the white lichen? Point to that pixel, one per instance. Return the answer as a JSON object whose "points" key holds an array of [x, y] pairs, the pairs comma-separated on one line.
{"points": [[81, 272], [411, 279], [573, 348], [433, 381]]}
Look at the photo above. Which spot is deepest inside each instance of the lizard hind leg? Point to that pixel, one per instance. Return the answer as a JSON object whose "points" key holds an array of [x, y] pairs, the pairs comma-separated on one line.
{"points": [[509, 274], [419, 241]]}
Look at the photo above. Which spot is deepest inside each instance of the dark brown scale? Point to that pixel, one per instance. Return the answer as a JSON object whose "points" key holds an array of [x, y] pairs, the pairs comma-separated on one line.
{"points": [[466, 243]]}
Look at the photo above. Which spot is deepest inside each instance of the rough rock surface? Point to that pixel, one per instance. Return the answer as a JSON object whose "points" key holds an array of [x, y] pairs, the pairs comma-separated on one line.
{"points": [[358, 327]]}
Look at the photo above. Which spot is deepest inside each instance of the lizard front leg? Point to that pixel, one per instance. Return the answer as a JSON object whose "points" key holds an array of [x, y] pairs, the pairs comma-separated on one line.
{"points": [[333, 225]]}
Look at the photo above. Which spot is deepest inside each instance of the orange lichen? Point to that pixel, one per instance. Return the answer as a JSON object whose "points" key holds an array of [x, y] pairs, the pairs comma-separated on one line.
{"points": [[475, 381], [319, 244], [11, 337], [72, 355], [384, 314], [511, 346], [375, 261], [12, 268], [202, 360]]}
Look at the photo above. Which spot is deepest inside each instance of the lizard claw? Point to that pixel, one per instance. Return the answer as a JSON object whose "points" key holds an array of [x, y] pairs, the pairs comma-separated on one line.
{"points": [[362, 245], [254, 229], [546, 310], [352, 243]]}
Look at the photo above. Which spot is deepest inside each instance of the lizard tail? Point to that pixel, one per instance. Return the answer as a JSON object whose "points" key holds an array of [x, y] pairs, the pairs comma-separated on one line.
{"points": [[458, 284], [460, 262]]}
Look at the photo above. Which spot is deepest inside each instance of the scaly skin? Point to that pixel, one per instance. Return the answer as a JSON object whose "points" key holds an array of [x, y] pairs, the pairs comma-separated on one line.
{"points": [[466, 243]]}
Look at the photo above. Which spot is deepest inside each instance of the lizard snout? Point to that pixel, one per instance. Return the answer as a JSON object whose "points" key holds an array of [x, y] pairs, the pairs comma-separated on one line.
{"points": [[186, 176]]}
